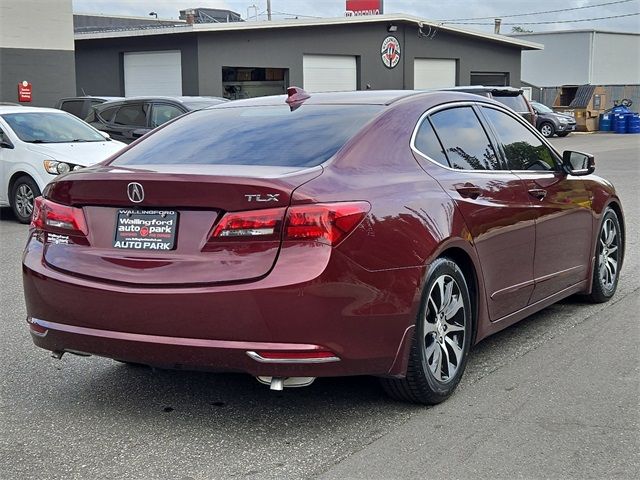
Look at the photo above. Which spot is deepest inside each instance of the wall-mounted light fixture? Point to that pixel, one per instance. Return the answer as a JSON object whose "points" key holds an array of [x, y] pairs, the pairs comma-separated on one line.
{"points": [[392, 28]]}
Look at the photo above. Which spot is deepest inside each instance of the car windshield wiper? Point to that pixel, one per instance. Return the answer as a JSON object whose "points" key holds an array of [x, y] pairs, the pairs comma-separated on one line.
{"points": [[38, 141]]}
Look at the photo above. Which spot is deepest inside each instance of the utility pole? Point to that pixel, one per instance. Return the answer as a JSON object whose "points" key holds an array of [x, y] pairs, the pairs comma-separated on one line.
{"points": [[269, 10]]}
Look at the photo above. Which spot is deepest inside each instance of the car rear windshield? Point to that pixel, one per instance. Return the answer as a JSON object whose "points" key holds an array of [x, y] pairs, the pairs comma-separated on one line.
{"points": [[516, 103], [264, 135]]}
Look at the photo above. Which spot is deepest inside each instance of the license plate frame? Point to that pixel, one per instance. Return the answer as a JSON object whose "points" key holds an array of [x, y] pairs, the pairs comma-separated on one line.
{"points": [[147, 230]]}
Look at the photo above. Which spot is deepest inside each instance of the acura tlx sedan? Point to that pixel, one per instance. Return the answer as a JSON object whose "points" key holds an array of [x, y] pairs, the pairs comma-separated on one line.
{"points": [[301, 236]]}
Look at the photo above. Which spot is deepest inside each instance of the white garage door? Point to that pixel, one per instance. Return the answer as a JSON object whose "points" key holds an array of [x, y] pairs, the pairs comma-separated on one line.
{"points": [[434, 73], [329, 73], [152, 73]]}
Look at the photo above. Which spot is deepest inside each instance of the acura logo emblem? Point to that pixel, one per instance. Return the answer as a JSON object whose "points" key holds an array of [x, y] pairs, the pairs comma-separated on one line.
{"points": [[135, 192]]}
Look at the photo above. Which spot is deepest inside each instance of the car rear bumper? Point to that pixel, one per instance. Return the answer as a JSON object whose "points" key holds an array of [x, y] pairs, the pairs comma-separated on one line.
{"points": [[331, 305]]}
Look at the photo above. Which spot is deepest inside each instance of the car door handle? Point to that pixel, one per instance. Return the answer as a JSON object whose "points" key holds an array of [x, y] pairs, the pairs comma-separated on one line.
{"points": [[539, 193], [469, 190]]}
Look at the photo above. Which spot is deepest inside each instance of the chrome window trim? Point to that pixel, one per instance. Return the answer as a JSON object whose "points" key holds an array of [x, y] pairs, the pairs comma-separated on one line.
{"points": [[436, 109], [501, 108]]}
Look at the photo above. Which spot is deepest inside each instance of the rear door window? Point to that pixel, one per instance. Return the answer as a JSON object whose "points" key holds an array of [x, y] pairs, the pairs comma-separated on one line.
{"points": [[163, 112], [427, 143], [464, 140], [260, 135], [107, 114], [74, 107], [517, 103], [134, 115], [522, 148]]}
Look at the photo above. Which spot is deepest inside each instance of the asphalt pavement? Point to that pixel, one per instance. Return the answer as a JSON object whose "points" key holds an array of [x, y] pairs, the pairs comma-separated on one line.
{"points": [[555, 396]]}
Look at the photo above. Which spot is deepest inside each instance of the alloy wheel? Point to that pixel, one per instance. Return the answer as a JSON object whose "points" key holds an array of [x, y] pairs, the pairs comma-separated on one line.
{"points": [[444, 328], [609, 254], [546, 130], [24, 200]]}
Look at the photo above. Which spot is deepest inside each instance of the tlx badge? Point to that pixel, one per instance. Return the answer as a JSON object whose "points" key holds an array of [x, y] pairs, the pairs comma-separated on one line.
{"points": [[269, 197]]}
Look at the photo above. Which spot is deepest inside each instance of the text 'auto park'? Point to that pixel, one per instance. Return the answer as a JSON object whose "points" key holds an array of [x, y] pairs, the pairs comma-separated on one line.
{"points": [[339, 197]]}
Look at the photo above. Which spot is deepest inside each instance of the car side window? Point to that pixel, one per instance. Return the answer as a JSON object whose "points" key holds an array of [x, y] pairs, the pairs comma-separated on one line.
{"points": [[134, 115], [163, 112], [73, 107], [522, 148], [464, 140], [427, 143], [107, 114]]}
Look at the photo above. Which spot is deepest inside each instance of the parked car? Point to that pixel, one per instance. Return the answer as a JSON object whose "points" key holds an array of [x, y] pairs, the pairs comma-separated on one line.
{"points": [[129, 119], [302, 236], [37, 145], [550, 122], [81, 106], [511, 97]]}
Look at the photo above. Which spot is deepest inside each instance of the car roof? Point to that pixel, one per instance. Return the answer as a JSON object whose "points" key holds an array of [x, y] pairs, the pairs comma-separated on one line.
{"points": [[366, 97], [21, 109], [92, 97], [482, 88]]}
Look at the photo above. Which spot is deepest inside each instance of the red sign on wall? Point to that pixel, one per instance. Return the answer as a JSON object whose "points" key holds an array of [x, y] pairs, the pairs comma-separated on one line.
{"points": [[356, 8], [24, 91]]}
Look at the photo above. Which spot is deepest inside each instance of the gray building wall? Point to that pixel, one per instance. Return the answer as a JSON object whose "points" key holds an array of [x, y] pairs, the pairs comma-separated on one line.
{"points": [[51, 73], [36, 44], [582, 57], [99, 63], [100, 70]]}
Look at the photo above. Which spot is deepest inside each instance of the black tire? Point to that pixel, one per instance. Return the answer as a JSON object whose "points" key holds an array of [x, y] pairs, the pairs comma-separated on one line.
{"points": [[23, 192], [547, 129], [563, 134], [609, 256], [421, 384]]}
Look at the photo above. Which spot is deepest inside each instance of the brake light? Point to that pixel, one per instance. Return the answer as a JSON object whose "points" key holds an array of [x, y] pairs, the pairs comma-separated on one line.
{"points": [[326, 223], [257, 224], [53, 217]]}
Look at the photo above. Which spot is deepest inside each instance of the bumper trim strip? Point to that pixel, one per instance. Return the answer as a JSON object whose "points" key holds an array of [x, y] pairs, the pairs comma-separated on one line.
{"points": [[175, 341]]}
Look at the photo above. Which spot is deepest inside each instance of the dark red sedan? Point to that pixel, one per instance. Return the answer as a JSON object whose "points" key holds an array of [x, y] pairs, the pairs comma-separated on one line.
{"points": [[294, 237]]}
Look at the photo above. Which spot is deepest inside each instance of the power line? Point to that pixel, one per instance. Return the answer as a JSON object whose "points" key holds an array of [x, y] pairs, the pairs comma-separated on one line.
{"points": [[548, 23], [534, 13]]}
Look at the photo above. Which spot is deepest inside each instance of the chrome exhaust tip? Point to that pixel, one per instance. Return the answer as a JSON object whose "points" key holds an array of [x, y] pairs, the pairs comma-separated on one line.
{"points": [[279, 383]]}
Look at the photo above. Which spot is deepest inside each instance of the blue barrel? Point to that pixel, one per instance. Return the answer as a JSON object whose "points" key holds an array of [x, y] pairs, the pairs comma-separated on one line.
{"points": [[633, 123], [620, 123], [605, 122]]}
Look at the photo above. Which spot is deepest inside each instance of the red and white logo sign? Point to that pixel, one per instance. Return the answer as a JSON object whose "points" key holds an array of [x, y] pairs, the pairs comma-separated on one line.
{"points": [[24, 91], [390, 52], [356, 8]]}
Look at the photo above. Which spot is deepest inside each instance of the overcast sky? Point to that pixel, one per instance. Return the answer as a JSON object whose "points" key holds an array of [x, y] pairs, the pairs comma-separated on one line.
{"points": [[428, 9]]}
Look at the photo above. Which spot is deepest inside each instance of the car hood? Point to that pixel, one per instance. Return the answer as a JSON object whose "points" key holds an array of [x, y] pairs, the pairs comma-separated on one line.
{"points": [[81, 153]]}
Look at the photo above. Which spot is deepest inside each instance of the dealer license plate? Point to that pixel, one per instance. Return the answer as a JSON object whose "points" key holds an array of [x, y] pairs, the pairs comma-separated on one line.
{"points": [[146, 229]]}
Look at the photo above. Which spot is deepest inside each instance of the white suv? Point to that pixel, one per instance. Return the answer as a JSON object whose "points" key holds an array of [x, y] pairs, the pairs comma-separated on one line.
{"points": [[36, 145]]}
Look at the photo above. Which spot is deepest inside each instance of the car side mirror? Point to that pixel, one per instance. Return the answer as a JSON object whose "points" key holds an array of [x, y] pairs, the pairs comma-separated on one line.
{"points": [[578, 163], [105, 134], [4, 142]]}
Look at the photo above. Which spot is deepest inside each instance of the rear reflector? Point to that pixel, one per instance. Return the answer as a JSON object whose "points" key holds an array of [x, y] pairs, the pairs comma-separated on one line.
{"points": [[270, 356], [53, 217], [326, 223]]}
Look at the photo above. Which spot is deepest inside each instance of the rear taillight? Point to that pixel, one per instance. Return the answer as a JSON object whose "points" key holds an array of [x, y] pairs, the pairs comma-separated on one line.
{"points": [[257, 225], [326, 223], [53, 217]]}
